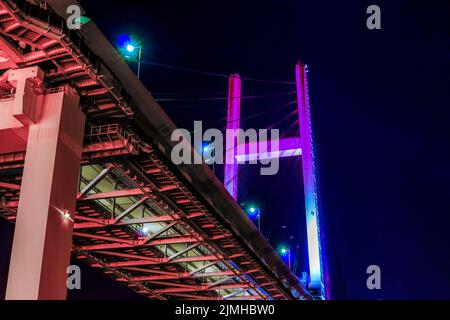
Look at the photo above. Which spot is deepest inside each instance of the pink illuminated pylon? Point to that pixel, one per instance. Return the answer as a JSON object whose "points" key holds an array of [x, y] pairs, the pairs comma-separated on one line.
{"points": [[309, 179], [288, 147], [233, 122]]}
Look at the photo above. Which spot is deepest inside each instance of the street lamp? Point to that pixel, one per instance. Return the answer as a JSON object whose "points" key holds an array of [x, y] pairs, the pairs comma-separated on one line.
{"points": [[209, 155], [286, 252], [130, 46], [255, 213]]}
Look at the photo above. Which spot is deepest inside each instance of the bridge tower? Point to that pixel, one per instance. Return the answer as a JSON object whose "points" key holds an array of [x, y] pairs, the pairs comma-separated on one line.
{"points": [[288, 147]]}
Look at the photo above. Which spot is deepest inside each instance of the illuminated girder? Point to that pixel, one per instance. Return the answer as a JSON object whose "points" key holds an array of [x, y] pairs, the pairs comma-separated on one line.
{"points": [[164, 260], [97, 223], [131, 244], [201, 288], [192, 296], [171, 259], [130, 209], [114, 194], [95, 181], [9, 186], [183, 275]]}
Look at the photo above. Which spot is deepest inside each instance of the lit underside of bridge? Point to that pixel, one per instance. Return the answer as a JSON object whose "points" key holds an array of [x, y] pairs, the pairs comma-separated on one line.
{"points": [[166, 232]]}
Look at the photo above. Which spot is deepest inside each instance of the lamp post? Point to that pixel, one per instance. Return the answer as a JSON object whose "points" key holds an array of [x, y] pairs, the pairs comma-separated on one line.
{"points": [[286, 252], [205, 150], [128, 45], [256, 213], [130, 48]]}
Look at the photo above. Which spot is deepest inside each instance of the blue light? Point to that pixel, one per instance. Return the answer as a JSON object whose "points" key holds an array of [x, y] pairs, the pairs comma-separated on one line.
{"points": [[253, 211], [123, 40], [205, 149], [128, 45], [284, 251]]}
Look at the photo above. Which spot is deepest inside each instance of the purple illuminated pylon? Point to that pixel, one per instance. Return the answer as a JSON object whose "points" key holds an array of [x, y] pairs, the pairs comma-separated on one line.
{"points": [[309, 179], [288, 147], [233, 122]]}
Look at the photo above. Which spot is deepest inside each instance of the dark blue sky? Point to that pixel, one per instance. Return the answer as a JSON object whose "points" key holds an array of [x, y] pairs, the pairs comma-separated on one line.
{"points": [[380, 107]]}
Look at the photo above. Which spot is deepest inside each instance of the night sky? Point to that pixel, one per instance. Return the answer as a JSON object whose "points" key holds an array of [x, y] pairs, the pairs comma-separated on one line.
{"points": [[380, 104]]}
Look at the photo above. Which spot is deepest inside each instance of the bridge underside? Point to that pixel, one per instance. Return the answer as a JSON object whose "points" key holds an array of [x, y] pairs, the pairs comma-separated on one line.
{"points": [[138, 219]]}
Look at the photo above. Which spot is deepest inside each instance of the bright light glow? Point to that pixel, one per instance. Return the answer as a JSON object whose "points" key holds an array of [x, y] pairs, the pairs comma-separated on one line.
{"points": [[64, 213], [128, 45], [144, 230], [253, 211], [123, 40], [284, 250], [205, 149]]}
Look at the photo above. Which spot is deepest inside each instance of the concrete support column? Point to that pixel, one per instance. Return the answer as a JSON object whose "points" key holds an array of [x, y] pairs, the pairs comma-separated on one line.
{"points": [[43, 232]]}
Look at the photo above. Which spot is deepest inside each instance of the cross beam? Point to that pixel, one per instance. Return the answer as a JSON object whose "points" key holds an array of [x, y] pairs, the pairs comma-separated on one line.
{"points": [[288, 147]]}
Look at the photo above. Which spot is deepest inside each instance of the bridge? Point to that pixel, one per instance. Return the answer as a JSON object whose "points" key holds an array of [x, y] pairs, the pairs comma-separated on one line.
{"points": [[85, 171]]}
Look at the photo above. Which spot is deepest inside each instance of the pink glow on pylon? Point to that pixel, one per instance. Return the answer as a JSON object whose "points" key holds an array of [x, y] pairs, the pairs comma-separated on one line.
{"points": [[233, 122]]}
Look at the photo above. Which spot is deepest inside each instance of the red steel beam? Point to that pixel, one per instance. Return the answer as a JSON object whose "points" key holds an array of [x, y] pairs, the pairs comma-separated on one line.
{"points": [[114, 194], [159, 232], [245, 298], [130, 256], [204, 288], [98, 223], [144, 262], [131, 208], [96, 180], [9, 186], [174, 240], [189, 287], [187, 275], [98, 237], [153, 271], [192, 296]]}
